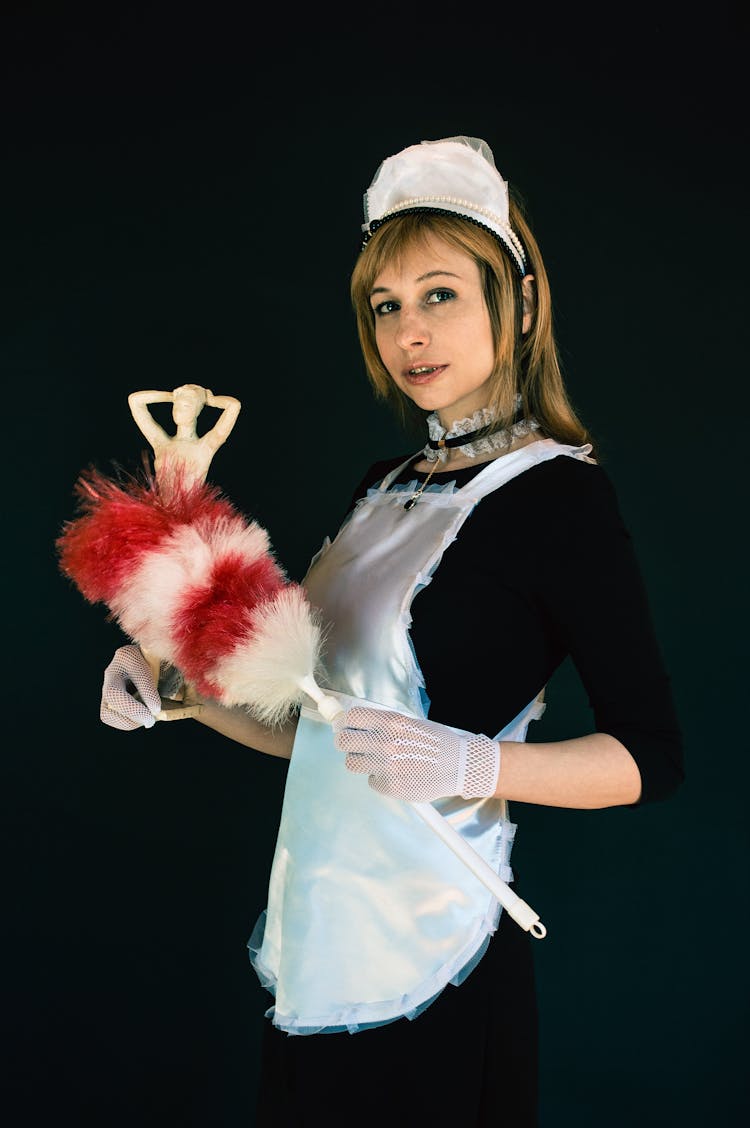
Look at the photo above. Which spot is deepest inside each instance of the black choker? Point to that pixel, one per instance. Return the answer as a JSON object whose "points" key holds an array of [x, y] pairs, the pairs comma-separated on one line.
{"points": [[457, 440], [482, 440], [440, 444]]}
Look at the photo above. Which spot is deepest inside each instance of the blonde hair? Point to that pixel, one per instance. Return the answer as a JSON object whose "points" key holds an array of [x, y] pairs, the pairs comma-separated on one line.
{"points": [[526, 364]]}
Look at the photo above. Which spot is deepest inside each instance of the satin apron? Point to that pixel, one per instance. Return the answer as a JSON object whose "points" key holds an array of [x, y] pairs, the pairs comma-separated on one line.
{"points": [[370, 914]]}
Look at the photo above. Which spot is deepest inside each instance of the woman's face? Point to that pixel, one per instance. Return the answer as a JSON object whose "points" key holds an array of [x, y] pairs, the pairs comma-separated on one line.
{"points": [[433, 329]]}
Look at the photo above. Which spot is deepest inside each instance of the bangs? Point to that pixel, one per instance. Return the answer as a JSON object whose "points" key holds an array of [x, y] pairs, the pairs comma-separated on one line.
{"points": [[416, 230]]}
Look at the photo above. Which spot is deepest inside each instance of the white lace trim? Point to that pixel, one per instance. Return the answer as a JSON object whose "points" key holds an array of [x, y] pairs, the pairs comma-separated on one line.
{"points": [[497, 440]]}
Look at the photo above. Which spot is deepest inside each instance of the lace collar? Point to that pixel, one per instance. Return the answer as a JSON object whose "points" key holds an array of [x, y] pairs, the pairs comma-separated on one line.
{"points": [[488, 444]]}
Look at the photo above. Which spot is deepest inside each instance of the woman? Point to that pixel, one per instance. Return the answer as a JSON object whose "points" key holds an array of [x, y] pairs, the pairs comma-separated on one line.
{"points": [[460, 579]]}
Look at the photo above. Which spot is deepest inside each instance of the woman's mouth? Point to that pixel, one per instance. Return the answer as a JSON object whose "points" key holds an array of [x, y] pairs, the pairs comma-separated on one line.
{"points": [[423, 373]]}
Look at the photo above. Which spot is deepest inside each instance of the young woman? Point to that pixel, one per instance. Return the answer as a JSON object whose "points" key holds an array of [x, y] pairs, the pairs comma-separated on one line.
{"points": [[461, 578]]}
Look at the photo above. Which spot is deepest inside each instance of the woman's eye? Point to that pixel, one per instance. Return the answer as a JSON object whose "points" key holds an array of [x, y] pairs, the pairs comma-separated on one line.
{"points": [[435, 297], [384, 307]]}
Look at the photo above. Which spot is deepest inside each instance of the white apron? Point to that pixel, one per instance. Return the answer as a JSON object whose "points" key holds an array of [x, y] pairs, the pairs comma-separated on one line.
{"points": [[370, 914]]}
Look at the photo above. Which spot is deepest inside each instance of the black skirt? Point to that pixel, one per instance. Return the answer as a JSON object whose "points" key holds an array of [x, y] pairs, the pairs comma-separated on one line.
{"points": [[470, 1059]]}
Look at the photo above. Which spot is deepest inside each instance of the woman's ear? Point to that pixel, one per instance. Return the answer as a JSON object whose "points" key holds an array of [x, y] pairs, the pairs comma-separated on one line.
{"points": [[528, 287]]}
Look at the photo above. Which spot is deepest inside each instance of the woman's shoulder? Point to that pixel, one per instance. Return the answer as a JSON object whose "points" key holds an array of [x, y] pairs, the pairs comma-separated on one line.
{"points": [[561, 496], [572, 495], [566, 476]]}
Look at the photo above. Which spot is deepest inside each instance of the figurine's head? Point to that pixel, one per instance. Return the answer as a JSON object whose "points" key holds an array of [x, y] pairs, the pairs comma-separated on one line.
{"points": [[189, 401]]}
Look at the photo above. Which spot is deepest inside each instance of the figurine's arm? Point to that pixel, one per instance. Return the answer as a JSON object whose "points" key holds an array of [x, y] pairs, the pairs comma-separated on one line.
{"points": [[222, 428], [138, 403]]}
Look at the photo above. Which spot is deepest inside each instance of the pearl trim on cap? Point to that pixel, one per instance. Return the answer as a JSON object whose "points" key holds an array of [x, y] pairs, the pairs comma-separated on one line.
{"points": [[426, 201]]}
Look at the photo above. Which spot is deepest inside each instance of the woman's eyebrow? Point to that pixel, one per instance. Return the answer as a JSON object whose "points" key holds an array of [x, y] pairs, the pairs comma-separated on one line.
{"points": [[422, 278]]}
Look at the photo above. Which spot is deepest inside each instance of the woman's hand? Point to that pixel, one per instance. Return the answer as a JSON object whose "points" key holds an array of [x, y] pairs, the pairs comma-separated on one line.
{"points": [[415, 759], [126, 675]]}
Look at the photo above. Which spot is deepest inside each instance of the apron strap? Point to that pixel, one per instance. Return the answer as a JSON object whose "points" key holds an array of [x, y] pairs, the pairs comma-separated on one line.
{"points": [[501, 470], [393, 474]]}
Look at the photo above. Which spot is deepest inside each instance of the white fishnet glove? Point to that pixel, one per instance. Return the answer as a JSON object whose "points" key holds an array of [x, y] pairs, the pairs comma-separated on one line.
{"points": [[128, 673], [414, 759]]}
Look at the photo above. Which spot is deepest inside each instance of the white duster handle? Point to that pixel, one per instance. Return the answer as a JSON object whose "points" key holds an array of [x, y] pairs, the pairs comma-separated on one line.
{"points": [[522, 913]]}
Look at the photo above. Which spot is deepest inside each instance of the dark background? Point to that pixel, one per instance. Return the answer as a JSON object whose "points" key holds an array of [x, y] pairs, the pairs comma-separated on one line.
{"points": [[181, 203]]}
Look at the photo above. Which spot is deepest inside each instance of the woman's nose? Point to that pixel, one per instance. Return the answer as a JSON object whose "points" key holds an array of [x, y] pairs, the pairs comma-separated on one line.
{"points": [[412, 331]]}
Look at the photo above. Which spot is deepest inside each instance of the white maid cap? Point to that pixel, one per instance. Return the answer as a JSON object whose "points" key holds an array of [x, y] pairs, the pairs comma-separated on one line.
{"points": [[456, 174]]}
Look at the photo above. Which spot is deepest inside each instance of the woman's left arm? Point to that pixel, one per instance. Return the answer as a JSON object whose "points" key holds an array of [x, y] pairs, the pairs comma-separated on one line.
{"points": [[590, 586], [594, 592], [585, 772]]}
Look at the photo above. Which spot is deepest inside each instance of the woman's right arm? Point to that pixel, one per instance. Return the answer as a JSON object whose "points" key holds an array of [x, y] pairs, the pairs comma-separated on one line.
{"points": [[131, 700], [238, 725]]}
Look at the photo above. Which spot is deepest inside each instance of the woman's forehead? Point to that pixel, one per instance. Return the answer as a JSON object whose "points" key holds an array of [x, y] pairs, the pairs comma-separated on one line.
{"points": [[429, 254]]}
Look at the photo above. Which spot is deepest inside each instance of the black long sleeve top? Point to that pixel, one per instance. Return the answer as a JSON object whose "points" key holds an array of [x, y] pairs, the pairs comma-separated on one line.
{"points": [[544, 568]]}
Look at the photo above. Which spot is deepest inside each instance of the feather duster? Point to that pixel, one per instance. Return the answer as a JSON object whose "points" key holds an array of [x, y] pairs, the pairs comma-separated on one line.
{"points": [[196, 584]]}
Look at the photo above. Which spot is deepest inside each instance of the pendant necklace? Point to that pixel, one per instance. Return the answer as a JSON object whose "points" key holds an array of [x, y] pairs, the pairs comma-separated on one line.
{"points": [[478, 441], [418, 492], [441, 444]]}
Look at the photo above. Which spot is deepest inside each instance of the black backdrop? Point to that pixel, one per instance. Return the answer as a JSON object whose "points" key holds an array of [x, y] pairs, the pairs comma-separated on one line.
{"points": [[182, 203]]}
